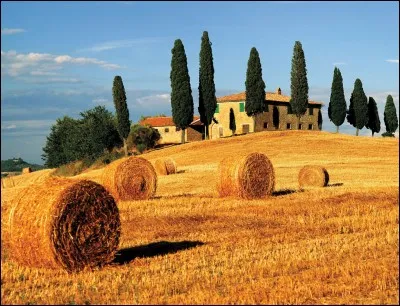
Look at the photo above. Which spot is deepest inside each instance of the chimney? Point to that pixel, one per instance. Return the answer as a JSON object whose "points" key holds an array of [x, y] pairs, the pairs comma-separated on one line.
{"points": [[278, 91]]}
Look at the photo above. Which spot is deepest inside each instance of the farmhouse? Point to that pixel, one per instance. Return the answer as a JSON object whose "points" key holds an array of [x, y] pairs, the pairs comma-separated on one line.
{"points": [[170, 133], [278, 115]]}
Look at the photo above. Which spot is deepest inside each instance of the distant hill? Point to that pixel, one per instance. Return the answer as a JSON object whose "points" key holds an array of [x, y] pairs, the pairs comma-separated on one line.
{"points": [[17, 164]]}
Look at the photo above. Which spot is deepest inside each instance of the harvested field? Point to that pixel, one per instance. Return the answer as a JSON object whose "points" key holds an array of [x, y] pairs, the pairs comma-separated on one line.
{"points": [[333, 245]]}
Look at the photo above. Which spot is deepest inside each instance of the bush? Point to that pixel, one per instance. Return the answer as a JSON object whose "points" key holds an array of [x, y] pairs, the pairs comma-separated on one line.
{"points": [[387, 134], [142, 138], [72, 169]]}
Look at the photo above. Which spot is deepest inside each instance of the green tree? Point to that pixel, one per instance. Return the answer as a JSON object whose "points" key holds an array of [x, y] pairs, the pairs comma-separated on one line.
{"points": [[232, 121], [123, 122], [143, 137], [255, 86], [337, 103], [298, 82], [181, 92], [207, 99], [357, 115], [374, 124], [390, 116]]}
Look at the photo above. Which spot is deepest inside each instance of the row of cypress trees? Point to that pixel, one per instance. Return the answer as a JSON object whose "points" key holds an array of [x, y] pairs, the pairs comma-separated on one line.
{"points": [[362, 111]]}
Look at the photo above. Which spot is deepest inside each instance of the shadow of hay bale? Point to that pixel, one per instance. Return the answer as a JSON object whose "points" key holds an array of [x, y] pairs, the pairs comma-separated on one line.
{"points": [[285, 192], [126, 255], [334, 185]]}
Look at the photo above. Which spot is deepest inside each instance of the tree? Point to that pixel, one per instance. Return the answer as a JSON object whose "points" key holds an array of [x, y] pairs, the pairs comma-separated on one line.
{"points": [[143, 137], [181, 93], [337, 103], [255, 86], [390, 116], [207, 99], [374, 124], [123, 122], [357, 115], [232, 121], [298, 82]]}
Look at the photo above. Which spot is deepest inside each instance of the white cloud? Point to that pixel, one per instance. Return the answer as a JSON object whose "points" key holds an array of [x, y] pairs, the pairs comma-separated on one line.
{"points": [[43, 73], [160, 99], [7, 31], [28, 124], [123, 44], [395, 61], [339, 64], [16, 64], [8, 127]]}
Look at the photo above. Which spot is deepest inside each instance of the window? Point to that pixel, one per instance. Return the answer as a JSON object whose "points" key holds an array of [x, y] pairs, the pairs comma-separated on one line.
{"points": [[310, 127], [221, 131], [311, 111], [288, 126], [245, 128], [265, 125], [166, 130], [217, 109], [300, 126], [289, 109], [241, 107]]}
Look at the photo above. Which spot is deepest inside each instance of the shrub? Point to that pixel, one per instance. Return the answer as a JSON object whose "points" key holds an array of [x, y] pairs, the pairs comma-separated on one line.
{"points": [[142, 137], [387, 134]]}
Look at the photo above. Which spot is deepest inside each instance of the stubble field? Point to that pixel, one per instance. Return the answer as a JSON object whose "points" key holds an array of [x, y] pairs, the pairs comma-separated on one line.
{"points": [[333, 245]]}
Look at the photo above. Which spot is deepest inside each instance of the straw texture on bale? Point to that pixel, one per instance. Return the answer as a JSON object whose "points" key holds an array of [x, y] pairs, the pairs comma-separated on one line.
{"points": [[249, 177], [313, 176], [27, 170], [130, 178], [26, 179], [165, 166], [61, 223]]}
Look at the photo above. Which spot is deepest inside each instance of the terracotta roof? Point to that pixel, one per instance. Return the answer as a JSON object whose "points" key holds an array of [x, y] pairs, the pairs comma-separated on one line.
{"points": [[269, 96], [161, 121]]}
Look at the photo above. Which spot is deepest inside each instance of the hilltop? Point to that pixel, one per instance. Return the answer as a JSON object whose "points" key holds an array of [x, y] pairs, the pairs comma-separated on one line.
{"points": [[17, 164]]}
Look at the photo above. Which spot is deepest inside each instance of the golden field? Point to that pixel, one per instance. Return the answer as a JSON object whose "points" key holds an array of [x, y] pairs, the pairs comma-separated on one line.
{"points": [[332, 245]]}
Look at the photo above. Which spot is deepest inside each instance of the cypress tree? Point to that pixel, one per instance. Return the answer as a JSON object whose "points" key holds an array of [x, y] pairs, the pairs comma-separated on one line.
{"points": [[232, 121], [298, 82], [337, 103], [374, 124], [255, 86], [207, 99], [123, 122], [181, 93], [390, 116], [357, 114]]}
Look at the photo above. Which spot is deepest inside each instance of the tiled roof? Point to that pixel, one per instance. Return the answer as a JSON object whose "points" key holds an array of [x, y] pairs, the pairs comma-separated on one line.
{"points": [[269, 96], [161, 121]]}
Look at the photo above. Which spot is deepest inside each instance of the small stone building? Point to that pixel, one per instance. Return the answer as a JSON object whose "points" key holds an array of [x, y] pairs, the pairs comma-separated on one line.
{"points": [[278, 115], [170, 133]]}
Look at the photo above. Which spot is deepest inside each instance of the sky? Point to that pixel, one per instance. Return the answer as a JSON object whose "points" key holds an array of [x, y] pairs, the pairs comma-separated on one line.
{"points": [[60, 58]]}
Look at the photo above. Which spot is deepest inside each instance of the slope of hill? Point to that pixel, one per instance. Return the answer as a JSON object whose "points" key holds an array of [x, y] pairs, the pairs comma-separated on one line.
{"points": [[17, 164], [333, 245]]}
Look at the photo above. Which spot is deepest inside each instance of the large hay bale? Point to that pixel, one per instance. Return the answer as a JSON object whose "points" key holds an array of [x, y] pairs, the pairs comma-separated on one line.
{"points": [[61, 223], [249, 177], [130, 178], [26, 170], [313, 176], [165, 166]]}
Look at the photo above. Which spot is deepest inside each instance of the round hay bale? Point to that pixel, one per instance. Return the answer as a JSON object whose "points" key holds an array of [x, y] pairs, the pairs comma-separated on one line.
{"points": [[26, 170], [130, 178], [249, 177], [61, 223], [313, 176], [165, 166]]}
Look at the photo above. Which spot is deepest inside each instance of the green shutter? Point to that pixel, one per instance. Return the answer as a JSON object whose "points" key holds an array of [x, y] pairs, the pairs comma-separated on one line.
{"points": [[217, 109], [241, 107]]}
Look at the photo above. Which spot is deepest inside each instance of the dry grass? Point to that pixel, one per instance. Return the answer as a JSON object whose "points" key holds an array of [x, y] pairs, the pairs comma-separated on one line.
{"points": [[334, 245]]}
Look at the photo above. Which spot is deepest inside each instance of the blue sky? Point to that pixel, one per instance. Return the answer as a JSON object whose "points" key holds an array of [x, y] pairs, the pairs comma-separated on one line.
{"points": [[60, 58]]}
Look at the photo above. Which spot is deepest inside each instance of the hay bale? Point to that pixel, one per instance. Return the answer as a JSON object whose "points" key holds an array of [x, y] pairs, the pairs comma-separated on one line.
{"points": [[165, 166], [313, 176], [26, 170], [7, 182], [130, 178], [249, 177], [61, 223]]}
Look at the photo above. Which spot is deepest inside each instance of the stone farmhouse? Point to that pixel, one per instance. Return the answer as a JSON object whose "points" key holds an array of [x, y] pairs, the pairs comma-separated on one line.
{"points": [[278, 116], [170, 133]]}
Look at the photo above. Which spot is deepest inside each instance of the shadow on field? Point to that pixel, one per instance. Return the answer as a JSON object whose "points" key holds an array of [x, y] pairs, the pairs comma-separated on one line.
{"points": [[285, 192], [335, 185], [126, 255], [180, 171]]}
